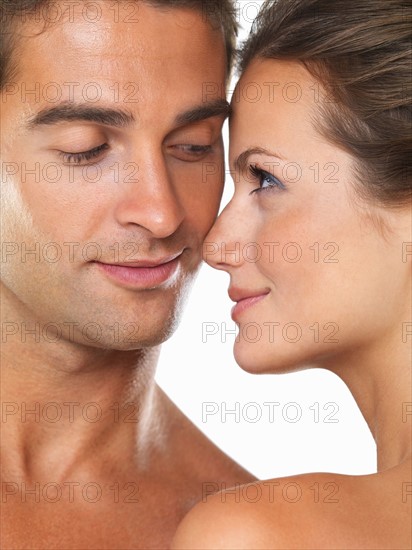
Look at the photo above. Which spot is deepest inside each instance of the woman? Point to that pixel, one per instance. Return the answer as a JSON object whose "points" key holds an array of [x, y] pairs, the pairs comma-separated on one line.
{"points": [[320, 149]]}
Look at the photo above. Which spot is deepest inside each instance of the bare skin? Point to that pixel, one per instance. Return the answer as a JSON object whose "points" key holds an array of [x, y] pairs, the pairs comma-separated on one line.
{"points": [[112, 461], [366, 293]]}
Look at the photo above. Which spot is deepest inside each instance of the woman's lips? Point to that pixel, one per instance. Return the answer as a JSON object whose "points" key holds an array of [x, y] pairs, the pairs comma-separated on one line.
{"points": [[244, 304], [142, 276]]}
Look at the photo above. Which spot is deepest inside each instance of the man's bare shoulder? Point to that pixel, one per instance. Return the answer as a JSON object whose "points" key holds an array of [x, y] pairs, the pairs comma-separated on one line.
{"points": [[322, 511]]}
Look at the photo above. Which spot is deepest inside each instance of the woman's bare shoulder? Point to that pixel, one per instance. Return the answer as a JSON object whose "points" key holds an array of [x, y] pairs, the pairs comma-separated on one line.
{"points": [[322, 511]]}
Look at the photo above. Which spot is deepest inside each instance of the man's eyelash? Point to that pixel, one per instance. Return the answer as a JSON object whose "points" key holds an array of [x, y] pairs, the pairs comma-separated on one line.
{"points": [[195, 149], [84, 156], [260, 175]]}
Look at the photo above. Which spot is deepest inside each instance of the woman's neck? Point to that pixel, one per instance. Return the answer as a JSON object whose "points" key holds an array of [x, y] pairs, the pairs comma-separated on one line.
{"points": [[379, 377]]}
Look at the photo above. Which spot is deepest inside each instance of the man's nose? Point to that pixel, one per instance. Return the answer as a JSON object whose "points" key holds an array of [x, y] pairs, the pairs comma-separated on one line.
{"points": [[149, 199]]}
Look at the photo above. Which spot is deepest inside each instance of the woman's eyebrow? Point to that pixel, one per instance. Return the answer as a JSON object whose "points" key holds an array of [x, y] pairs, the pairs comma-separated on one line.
{"points": [[241, 161]]}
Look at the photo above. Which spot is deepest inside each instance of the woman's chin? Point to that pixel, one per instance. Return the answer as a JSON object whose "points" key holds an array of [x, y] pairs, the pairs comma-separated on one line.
{"points": [[255, 361]]}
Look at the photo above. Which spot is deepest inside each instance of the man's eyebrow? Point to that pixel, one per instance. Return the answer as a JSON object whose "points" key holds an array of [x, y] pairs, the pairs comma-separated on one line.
{"points": [[241, 162], [68, 112], [219, 107]]}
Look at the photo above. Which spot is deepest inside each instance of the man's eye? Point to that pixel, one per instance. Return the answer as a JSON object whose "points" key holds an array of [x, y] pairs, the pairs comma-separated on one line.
{"points": [[266, 180], [83, 156], [191, 153]]}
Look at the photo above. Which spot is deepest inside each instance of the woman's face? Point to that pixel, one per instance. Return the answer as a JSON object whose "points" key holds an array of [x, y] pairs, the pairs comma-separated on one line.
{"points": [[315, 271]]}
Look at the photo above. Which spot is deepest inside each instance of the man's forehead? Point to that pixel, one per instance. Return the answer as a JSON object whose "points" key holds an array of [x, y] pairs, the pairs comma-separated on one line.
{"points": [[109, 27], [163, 52]]}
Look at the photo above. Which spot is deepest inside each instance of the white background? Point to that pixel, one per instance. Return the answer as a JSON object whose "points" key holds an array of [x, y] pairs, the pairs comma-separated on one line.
{"points": [[313, 423]]}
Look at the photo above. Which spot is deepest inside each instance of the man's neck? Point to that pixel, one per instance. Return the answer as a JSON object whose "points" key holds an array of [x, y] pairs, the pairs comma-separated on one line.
{"points": [[66, 407]]}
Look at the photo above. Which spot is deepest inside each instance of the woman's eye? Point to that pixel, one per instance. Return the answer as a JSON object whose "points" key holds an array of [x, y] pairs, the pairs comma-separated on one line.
{"points": [[83, 156], [266, 180]]}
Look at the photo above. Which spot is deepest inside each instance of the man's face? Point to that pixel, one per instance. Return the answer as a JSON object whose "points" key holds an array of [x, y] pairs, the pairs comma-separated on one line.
{"points": [[112, 163]]}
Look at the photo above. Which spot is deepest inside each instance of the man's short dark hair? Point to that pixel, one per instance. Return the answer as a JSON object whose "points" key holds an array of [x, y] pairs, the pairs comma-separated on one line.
{"points": [[219, 13]]}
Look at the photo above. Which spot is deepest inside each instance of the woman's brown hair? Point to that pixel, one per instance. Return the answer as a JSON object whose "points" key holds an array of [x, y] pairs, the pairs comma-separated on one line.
{"points": [[360, 52]]}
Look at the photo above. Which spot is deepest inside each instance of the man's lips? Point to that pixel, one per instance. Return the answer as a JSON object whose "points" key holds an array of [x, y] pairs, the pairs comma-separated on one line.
{"points": [[143, 274], [245, 299]]}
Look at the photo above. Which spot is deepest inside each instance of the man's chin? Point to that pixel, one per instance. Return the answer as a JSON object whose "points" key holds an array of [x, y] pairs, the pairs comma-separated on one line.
{"points": [[125, 331], [147, 339]]}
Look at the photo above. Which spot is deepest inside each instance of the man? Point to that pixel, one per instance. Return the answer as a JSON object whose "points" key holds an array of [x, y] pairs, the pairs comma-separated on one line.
{"points": [[112, 173]]}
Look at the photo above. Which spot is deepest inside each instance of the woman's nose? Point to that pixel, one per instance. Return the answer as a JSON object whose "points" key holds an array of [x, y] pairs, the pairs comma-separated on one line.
{"points": [[222, 248]]}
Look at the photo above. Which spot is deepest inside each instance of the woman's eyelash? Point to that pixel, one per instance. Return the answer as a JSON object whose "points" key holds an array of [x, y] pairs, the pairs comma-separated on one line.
{"points": [[84, 156], [261, 176]]}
